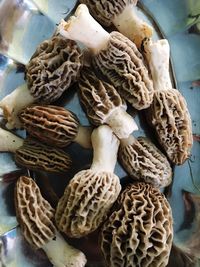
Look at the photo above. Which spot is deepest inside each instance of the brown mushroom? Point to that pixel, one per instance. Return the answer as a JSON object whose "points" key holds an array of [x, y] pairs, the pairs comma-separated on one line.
{"points": [[139, 157], [54, 66], [168, 113], [123, 14], [91, 193], [104, 105], [144, 161], [34, 155], [114, 56], [139, 231], [36, 218], [54, 125]]}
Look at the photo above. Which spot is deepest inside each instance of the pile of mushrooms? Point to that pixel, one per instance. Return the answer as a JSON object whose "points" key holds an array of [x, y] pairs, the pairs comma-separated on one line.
{"points": [[123, 15], [136, 223], [114, 55], [140, 158], [36, 218], [57, 126], [53, 68]]}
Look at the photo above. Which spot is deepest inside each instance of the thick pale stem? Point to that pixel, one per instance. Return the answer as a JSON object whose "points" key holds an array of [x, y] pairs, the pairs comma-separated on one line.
{"points": [[61, 254], [129, 24], [83, 136], [9, 142], [13, 103], [105, 147], [157, 55], [127, 141], [121, 123], [84, 28]]}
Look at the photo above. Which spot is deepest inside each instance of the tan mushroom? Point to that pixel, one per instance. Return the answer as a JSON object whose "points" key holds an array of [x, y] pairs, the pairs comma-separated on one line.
{"points": [[36, 218], [91, 193], [139, 231], [104, 105], [54, 66], [114, 55], [140, 158], [144, 161], [34, 155], [54, 125], [123, 14], [168, 113]]}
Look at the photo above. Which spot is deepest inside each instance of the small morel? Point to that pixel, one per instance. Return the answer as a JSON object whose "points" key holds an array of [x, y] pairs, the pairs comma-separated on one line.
{"points": [[36, 219], [91, 193]]}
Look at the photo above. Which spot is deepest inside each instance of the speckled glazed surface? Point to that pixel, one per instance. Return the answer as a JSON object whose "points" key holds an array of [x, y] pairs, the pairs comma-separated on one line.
{"points": [[23, 25]]}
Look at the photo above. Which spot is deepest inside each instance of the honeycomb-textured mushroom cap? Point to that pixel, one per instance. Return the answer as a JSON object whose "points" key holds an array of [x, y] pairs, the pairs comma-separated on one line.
{"points": [[34, 213], [98, 97], [54, 66], [106, 11], [123, 65], [37, 156], [86, 202], [139, 231], [123, 15], [145, 162], [169, 115], [50, 124], [104, 105]]}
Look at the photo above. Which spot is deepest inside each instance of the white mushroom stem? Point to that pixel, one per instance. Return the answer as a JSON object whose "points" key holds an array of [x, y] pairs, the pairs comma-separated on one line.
{"points": [[132, 26], [121, 122], [83, 136], [61, 254], [84, 28], [9, 142], [158, 54], [13, 103], [105, 147]]}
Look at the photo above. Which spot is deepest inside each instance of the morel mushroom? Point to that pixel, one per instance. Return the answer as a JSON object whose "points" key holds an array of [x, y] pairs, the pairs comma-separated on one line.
{"points": [[144, 161], [54, 125], [139, 231], [54, 66], [104, 105], [123, 15], [91, 193], [168, 113], [114, 55], [13, 103], [36, 218], [34, 155], [140, 158]]}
